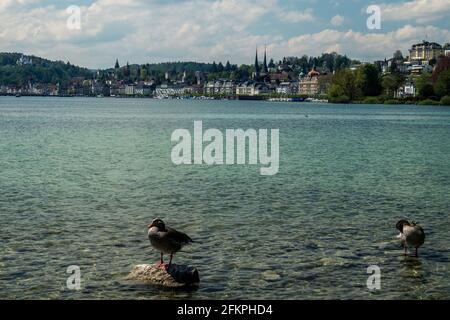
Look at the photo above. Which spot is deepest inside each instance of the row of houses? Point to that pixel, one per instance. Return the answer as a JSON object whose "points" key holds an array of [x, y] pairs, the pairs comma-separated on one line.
{"points": [[31, 89], [311, 84], [422, 59]]}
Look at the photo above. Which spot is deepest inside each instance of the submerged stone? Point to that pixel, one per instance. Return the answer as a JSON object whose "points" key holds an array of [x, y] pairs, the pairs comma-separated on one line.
{"points": [[175, 277], [270, 276]]}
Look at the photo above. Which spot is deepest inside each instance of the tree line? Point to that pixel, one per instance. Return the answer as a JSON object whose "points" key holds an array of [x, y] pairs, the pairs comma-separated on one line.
{"points": [[39, 70], [53, 72], [368, 84]]}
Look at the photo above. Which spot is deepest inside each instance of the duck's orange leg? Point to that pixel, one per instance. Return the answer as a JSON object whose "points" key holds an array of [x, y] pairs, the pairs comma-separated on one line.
{"points": [[161, 263]]}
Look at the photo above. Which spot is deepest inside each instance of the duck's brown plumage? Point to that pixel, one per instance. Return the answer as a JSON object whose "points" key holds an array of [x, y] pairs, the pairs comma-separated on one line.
{"points": [[166, 240], [411, 234]]}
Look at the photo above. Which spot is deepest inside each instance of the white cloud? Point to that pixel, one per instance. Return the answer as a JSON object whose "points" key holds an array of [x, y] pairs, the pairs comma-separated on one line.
{"points": [[337, 20], [201, 30], [138, 30], [421, 11], [293, 16], [365, 46]]}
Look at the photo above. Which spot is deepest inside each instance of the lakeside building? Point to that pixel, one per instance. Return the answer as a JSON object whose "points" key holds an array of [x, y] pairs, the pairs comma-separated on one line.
{"points": [[166, 90], [309, 84], [447, 49], [287, 88], [277, 78], [384, 65], [425, 51], [142, 90], [252, 88], [98, 88], [220, 87], [32, 89], [407, 90], [129, 89], [392, 65], [419, 69], [114, 89]]}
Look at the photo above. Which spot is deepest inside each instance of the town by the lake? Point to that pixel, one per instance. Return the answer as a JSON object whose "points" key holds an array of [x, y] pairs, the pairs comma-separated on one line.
{"points": [[422, 76]]}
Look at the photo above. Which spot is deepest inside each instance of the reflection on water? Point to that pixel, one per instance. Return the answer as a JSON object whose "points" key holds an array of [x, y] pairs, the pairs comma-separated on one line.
{"points": [[412, 269], [82, 178]]}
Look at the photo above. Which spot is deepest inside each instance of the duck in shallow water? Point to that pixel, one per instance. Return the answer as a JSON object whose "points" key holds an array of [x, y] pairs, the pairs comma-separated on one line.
{"points": [[412, 235], [166, 240]]}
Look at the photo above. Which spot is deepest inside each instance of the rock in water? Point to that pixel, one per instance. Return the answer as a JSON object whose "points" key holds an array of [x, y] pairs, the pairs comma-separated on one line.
{"points": [[175, 277]]}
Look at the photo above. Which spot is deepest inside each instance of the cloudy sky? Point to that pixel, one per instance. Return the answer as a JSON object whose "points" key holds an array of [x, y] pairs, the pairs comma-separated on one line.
{"points": [[142, 31]]}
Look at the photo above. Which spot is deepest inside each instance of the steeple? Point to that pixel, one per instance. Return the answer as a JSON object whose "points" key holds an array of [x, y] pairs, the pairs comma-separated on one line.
{"points": [[265, 69], [117, 66], [257, 67]]}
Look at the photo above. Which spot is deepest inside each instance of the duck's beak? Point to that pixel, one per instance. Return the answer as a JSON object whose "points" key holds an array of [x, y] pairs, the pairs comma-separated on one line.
{"points": [[150, 226]]}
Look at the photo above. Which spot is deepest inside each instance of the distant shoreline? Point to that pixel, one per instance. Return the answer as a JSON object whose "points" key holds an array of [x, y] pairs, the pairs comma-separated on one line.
{"points": [[254, 98], [238, 98]]}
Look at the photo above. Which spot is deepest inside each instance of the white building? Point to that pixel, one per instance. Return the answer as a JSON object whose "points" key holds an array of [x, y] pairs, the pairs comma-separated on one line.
{"points": [[170, 91], [129, 90], [407, 90], [251, 88], [418, 69], [223, 87], [23, 61], [142, 90], [287, 88]]}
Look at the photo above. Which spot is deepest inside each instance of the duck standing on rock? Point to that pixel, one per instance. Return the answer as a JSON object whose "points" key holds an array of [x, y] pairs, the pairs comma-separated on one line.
{"points": [[411, 234], [166, 240]]}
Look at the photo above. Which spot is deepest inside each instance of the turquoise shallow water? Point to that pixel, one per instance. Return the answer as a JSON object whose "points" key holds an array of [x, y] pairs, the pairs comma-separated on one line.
{"points": [[80, 179]]}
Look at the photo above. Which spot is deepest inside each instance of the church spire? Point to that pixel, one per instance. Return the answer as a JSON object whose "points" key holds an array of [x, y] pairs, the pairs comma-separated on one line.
{"points": [[256, 63], [265, 69]]}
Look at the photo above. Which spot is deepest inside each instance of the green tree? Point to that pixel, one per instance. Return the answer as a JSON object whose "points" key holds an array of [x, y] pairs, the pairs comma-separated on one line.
{"points": [[243, 72], [390, 84], [127, 71], [398, 55], [424, 86], [228, 66], [214, 67], [347, 80], [144, 74], [442, 85], [137, 75], [368, 79], [220, 67], [336, 94]]}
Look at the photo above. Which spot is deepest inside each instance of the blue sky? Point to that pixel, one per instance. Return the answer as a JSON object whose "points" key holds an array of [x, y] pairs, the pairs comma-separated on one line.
{"points": [[141, 31]]}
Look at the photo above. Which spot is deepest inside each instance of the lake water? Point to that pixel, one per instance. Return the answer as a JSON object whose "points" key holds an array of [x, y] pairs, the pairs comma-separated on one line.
{"points": [[81, 178]]}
